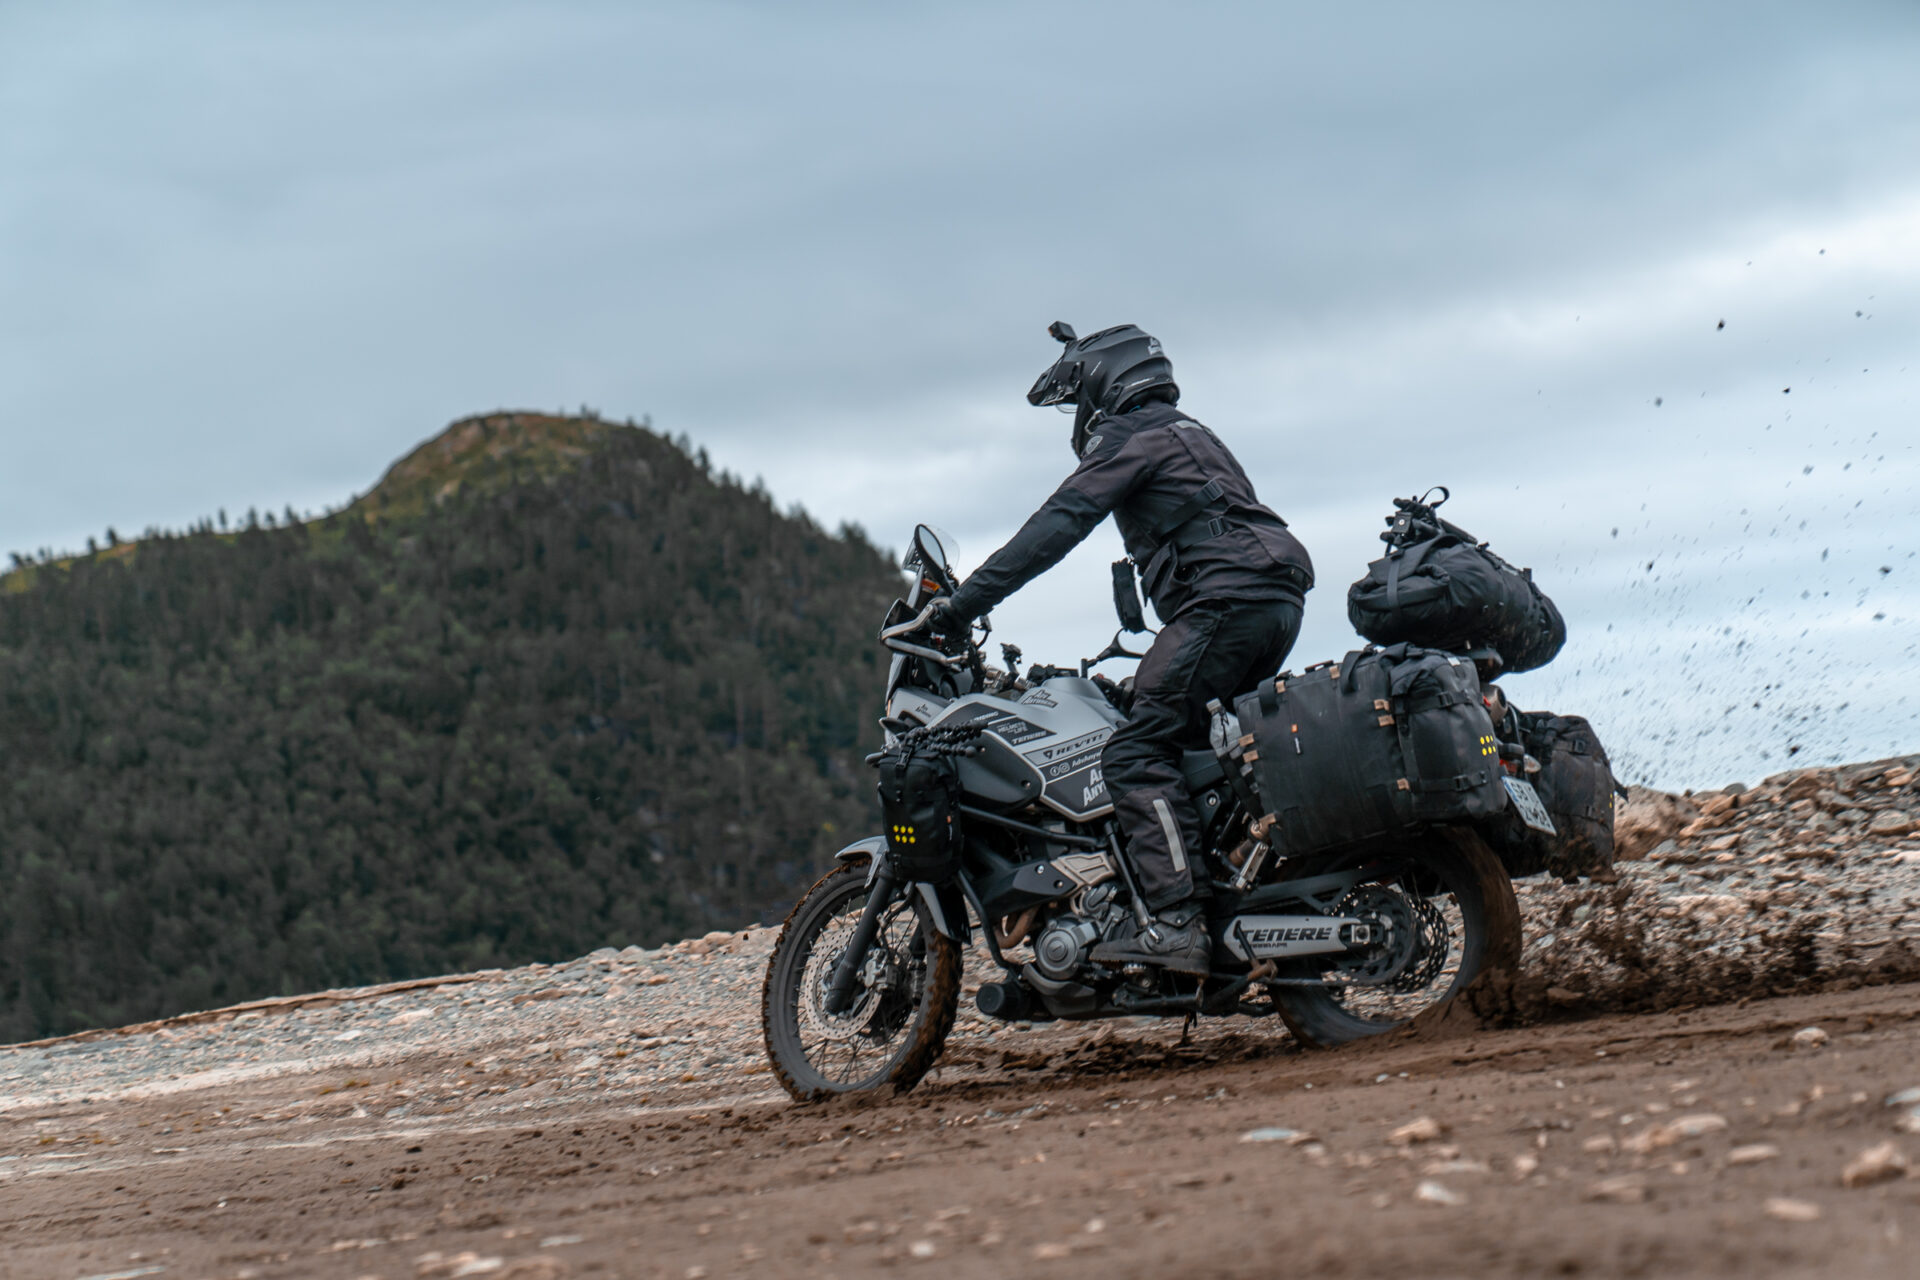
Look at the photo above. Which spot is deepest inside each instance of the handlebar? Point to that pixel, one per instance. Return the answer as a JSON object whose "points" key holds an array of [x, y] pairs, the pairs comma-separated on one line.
{"points": [[890, 637], [910, 625]]}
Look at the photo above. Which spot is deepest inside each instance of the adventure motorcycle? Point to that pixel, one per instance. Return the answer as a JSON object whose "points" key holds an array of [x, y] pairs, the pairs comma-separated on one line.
{"points": [[865, 980]]}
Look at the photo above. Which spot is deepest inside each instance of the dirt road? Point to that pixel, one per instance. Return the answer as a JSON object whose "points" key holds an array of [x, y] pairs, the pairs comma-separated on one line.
{"points": [[608, 1116], [1704, 1141]]}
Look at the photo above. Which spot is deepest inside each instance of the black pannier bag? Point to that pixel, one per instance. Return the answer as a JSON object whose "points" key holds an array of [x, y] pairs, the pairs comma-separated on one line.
{"points": [[1440, 588], [1370, 746], [919, 787], [1577, 786]]}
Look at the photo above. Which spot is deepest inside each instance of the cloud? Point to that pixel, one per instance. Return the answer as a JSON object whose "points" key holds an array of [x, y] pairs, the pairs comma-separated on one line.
{"points": [[1537, 409], [252, 255]]}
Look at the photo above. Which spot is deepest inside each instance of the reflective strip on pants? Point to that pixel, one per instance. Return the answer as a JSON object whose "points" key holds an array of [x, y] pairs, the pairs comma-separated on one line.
{"points": [[1172, 828]]}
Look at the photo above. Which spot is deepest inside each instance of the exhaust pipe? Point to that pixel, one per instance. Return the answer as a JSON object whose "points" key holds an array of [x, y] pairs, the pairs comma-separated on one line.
{"points": [[1006, 1001]]}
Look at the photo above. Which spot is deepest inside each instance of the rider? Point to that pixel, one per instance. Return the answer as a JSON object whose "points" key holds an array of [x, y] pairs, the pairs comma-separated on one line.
{"points": [[1224, 574]]}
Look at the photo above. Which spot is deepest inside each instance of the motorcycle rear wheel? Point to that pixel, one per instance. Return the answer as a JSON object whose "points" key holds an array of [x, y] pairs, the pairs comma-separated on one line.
{"points": [[1471, 894], [904, 1005]]}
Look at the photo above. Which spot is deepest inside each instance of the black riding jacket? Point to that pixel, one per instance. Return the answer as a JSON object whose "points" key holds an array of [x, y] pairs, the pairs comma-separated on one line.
{"points": [[1149, 468]]}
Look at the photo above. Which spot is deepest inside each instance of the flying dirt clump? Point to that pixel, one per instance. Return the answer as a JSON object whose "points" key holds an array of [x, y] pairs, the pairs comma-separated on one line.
{"points": [[1811, 877]]}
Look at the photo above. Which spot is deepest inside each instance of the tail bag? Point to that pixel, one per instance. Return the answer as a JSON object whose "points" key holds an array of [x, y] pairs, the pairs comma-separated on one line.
{"points": [[1438, 587]]}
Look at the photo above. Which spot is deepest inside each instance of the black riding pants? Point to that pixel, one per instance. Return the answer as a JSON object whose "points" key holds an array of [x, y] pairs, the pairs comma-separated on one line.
{"points": [[1216, 649]]}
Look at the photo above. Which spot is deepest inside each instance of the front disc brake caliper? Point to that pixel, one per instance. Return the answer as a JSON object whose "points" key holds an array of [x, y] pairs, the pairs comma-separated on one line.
{"points": [[876, 970]]}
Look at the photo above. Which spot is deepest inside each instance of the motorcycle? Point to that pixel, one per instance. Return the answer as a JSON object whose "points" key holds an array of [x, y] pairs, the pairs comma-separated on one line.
{"points": [[864, 982]]}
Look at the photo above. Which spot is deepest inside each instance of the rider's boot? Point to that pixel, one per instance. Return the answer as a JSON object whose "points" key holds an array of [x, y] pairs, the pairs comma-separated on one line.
{"points": [[1175, 938]]}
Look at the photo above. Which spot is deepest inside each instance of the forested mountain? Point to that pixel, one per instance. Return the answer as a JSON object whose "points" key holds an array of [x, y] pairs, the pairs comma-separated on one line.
{"points": [[553, 685]]}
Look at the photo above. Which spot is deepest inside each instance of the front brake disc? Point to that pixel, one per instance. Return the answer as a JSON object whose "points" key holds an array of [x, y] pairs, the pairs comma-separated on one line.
{"points": [[884, 988]]}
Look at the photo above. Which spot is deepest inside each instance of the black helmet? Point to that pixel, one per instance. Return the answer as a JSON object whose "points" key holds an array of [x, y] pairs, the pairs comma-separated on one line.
{"points": [[1108, 372]]}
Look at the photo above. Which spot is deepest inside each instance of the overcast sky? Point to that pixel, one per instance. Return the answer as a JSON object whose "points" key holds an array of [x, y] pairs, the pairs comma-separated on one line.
{"points": [[250, 254]]}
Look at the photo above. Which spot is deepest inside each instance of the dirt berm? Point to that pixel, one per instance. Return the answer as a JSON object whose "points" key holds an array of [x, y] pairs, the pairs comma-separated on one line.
{"points": [[1711, 1066]]}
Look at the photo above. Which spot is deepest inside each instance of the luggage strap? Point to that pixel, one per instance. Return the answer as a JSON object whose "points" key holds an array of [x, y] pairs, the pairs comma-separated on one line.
{"points": [[1408, 558], [1434, 702], [1269, 699], [1350, 665], [1458, 782]]}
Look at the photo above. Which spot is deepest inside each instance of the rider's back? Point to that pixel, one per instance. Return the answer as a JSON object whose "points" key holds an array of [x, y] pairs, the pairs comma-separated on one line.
{"points": [[1235, 548]]}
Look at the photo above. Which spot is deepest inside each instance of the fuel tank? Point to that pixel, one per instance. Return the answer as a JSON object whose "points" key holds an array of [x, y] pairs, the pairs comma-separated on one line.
{"points": [[1045, 745]]}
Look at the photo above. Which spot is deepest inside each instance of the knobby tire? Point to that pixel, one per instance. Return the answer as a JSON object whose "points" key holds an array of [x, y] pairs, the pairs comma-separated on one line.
{"points": [[1490, 912], [932, 1019]]}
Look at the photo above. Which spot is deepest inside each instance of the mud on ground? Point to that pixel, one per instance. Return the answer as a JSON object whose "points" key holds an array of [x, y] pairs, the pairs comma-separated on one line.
{"points": [[612, 1116]]}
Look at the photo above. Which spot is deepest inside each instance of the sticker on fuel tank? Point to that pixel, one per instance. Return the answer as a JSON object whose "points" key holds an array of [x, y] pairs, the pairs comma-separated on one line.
{"points": [[1061, 769], [1061, 750], [1081, 790]]}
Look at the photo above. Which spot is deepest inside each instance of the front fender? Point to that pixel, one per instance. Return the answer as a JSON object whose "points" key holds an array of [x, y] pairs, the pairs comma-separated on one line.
{"points": [[871, 847], [944, 907]]}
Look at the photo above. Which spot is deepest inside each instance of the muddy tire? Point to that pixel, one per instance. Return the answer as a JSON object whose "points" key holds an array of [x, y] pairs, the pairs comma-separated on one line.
{"points": [[1467, 876], [908, 996]]}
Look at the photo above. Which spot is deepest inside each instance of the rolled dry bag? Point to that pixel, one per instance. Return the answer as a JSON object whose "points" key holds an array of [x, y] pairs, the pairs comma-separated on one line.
{"points": [[1449, 592]]}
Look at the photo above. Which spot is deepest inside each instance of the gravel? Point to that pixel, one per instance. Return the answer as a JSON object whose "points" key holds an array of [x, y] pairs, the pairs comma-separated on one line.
{"points": [[1800, 880], [1741, 892]]}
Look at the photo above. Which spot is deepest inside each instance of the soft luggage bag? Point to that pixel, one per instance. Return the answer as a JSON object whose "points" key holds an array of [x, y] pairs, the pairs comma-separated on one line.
{"points": [[1577, 786], [1325, 760], [1447, 744], [918, 791], [1440, 588], [1370, 746]]}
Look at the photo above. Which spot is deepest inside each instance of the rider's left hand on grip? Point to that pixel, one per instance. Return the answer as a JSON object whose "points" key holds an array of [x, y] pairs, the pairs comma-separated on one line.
{"points": [[942, 620]]}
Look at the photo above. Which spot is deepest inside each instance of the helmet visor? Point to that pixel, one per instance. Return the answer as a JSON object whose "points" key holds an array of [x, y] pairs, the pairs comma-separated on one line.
{"points": [[1060, 384]]}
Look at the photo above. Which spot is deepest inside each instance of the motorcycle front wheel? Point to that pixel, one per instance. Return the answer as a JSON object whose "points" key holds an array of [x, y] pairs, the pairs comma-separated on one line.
{"points": [[905, 1001], [1448, 905]]}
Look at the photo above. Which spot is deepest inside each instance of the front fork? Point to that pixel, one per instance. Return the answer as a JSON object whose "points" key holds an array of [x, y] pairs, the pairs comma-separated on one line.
{"points": [[846, 970]]}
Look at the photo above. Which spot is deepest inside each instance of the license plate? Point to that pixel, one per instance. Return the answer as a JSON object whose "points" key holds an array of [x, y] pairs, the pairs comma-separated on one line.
{"points": [[1527, 801]]}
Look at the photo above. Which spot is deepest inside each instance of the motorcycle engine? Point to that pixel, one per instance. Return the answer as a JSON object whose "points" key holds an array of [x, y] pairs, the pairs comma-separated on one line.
{"points": [[1060, 949], [1062, 946]]}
